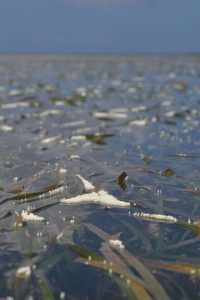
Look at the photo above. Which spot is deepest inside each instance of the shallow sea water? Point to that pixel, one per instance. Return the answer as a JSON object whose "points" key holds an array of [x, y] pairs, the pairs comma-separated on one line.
{"points": [[100, 116]]}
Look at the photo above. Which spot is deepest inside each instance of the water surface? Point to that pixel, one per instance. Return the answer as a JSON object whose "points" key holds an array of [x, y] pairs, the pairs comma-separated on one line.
{"points": [[99, 116]]}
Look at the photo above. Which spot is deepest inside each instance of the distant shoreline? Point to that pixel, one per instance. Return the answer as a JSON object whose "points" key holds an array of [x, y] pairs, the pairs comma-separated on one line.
{"points": [[99, 54]]}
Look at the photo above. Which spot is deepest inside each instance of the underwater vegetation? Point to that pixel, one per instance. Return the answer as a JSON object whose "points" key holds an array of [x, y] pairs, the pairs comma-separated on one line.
{"points": [[100, 177]]}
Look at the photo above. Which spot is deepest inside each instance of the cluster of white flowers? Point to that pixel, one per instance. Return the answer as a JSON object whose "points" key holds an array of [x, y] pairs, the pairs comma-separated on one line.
{"points": [[30, 208], [42, 196], [101, 197], [72, 220], [57, 191], [116, 244], [156, 217], [53, 192], [28, 216], [62, 170]]}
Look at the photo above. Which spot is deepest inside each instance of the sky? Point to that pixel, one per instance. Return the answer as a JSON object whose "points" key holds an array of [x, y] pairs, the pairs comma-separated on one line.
{"points": [[99, 26]]}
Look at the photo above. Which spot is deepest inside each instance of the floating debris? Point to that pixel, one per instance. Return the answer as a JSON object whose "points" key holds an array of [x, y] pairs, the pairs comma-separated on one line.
{"points": [[147, 159], [98, 138], [121, 180], [169, 172], [156, 217], [17, 190]]}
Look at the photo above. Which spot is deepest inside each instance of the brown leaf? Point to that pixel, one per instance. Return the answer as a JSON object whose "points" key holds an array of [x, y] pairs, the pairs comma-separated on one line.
{"points": [[121, 180]]}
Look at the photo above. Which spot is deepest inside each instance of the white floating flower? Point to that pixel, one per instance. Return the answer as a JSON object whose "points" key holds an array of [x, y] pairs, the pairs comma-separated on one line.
{"points": [[50, 112], [116, 244], [62, 171], [6, 128], [62, 295], [109, 115], [74, 124], [23, 272], [131, 90], [14, 93], [119, 110], [2, 118], [14, 105], [138, 108], [50, 139], [170, 113], [167, 103], [141, 122], [78, 138], [74, 157], [88, 186]]}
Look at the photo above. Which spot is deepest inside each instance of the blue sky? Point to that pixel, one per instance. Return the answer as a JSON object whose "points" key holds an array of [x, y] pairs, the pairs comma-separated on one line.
{"points": [[87, 26]]}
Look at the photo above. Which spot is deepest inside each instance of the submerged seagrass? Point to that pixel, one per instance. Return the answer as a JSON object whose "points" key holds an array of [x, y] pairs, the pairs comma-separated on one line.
{"points": [[116, 138]]}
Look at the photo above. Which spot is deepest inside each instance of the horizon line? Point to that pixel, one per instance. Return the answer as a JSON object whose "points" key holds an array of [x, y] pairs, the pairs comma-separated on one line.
{"points": [[100, 53]]}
